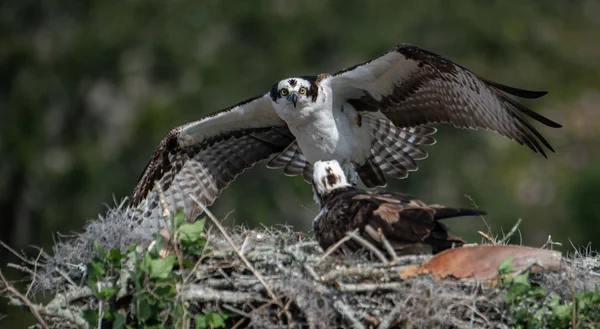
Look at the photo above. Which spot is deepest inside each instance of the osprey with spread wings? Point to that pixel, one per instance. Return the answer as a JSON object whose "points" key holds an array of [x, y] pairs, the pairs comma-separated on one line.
{"points": [[370, 117]]}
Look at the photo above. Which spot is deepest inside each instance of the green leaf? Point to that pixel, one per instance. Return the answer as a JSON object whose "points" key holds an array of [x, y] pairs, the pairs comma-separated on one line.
{"points": [[167, 290], [563, 312], [190, 232], [119, 320], [201, 321], [131, 248], [179, 217], [216, 320], [144, 310], [521, 279], [505, 266], [115, 255], [147, 261], [95, 270], [517, 286], [91, 317], [108, 292], [188, 264], [157, 247], [99, 249], [161, 268]]}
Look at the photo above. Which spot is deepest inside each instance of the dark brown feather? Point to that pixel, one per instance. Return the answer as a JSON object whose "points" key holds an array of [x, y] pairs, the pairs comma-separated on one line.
{"points": [[203, 169], [408, 224], [435, 90]]}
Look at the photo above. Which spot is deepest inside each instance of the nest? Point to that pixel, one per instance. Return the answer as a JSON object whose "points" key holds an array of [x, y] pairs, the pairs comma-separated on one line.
{"points": [[279, 278]]}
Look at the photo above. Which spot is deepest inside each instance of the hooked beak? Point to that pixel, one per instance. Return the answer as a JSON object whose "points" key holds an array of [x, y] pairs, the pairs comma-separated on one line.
{"points": [[293, 97]]}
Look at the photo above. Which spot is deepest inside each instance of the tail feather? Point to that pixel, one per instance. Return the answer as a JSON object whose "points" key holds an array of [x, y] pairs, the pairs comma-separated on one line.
{"points": [[446, 212]]}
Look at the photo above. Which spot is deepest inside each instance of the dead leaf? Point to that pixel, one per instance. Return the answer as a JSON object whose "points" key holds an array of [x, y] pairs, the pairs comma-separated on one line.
{"points": [[482, 262]]}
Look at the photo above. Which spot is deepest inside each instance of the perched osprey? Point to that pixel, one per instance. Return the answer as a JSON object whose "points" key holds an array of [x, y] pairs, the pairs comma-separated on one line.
{"points": [[370, 117], [411, 226]]}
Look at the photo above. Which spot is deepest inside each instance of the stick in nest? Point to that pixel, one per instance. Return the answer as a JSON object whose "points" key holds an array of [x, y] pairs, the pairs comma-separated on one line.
{"points": [[34, 272], [386, 243], [348, 313], [550, 243], [369, 246], [393, 314], [335, 246], [510, 233], [24, 300], [237, 251], [14, 252]]}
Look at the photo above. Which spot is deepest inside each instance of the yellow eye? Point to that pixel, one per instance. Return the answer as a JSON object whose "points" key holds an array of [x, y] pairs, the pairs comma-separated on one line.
{"points": [[302, 91], [284, 92]]}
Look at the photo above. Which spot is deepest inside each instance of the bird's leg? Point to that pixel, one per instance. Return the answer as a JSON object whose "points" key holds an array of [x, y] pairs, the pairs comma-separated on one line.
{"points": [[350, 172]]}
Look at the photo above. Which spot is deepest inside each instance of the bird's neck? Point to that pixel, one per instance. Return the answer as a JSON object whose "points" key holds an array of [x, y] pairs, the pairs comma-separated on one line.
{"points": [[327, 197]]}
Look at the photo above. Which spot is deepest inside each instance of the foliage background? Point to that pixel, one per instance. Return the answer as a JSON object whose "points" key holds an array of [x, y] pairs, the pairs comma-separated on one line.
{"points": [[88, 89]]}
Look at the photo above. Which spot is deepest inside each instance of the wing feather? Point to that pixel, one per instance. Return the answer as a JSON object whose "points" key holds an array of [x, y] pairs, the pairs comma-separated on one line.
{"points": [[412, 86], [293, 162], [203, 157]]}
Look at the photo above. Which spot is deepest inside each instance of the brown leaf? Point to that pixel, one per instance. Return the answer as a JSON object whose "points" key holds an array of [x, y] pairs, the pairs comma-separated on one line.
{"points": [[482, 262]]}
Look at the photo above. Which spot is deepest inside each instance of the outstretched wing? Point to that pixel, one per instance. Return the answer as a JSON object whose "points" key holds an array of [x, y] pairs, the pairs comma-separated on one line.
{"points": [[413, 86], [201, 158]]}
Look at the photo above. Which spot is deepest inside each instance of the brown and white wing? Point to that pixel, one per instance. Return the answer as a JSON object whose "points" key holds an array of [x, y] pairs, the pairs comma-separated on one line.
{"points": [[293, 162], [201, 158], [394, 150], [412, 86]]}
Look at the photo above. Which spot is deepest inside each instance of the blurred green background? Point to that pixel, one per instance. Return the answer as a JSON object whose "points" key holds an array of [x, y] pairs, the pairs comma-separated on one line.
{"points": [[89, 88]]}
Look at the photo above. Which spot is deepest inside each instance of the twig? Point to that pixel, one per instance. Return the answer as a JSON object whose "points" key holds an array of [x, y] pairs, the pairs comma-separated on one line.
{"points": [[239, 323], [550, 243], [351, 287], [201, 258], [28, 261], [525, 268], [411, 259], [25, 300], [348, 313], [369, 246], [374, 273], [62, 300], [386, 243], [100, 308], [65, 276], [393, 315], [310, 271], [489, 238], [574, 309], [475, 311], [199, 293], [511, 232], [20, 268], [237, 251], [235, 310], [335, 246], [489, 232], [34, 272]]}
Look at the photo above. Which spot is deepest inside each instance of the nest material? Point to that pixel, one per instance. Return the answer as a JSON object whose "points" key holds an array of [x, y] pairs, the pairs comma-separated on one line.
{"points": [[354, 291]]}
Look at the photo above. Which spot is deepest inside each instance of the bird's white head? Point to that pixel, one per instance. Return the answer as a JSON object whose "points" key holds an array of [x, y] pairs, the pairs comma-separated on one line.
{"points": [[293, 98], [327, 176]]}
